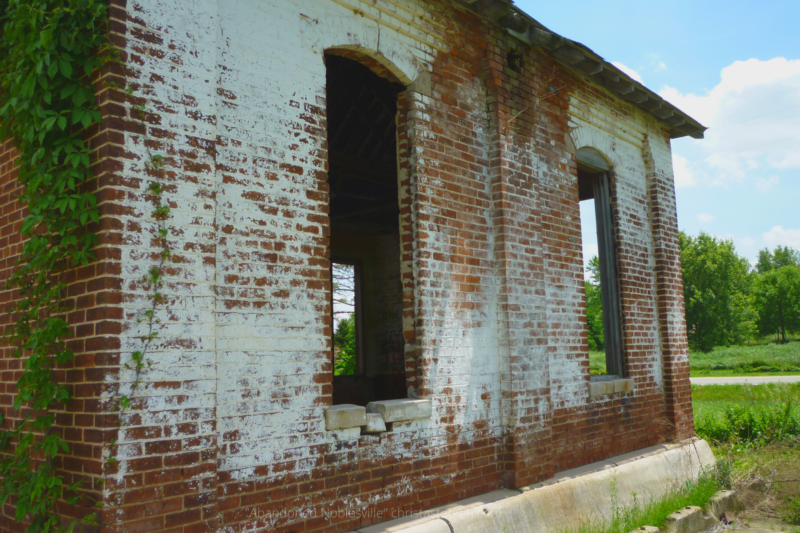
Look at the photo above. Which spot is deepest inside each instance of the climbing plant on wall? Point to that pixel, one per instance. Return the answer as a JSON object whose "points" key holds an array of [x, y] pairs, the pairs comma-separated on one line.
{"points": [[49, 53]]}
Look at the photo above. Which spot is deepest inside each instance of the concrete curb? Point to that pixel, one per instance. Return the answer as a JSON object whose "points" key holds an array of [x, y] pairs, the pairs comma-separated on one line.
{"points": [[722, 502], [690, 519], [572, 498], [693, 519]]}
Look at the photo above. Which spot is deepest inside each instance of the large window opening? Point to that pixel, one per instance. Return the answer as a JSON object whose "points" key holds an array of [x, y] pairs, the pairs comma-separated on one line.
{"points": [[602, 294], [368, 343]]}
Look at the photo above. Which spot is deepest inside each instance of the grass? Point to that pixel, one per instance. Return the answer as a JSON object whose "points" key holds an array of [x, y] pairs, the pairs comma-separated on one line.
{"points": [[762, 358], [755, 433], [747, 415], [713, 399], [597, 363], [655, 512]]}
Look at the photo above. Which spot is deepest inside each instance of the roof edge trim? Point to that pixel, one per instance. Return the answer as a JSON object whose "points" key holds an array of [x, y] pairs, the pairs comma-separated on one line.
{"points": [[582, 60]]}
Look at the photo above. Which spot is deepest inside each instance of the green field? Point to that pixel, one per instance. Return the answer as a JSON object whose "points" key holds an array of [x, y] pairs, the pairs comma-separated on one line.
{"points": [[756, 359], [763, 358], [745, 413]]}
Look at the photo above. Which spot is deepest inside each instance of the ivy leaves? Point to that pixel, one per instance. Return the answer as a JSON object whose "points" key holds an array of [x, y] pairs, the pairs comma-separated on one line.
{"points": [[49, 51], [46, 102]]}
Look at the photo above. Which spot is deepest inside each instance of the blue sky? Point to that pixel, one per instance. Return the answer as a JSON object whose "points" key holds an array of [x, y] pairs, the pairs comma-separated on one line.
{"points": [[735, 67]]}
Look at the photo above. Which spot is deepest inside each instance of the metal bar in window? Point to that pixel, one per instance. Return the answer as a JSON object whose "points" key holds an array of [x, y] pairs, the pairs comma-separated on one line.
{"points": [[612, 330]]}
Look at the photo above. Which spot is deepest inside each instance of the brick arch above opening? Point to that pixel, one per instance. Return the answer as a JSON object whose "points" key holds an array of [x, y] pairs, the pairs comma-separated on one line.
{"points": [[377, 63], [593, 158], [599, 142], [405, 57]]}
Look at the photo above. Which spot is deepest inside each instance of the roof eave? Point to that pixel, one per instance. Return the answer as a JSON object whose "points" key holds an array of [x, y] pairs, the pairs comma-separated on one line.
{"points": [[584, 61]]}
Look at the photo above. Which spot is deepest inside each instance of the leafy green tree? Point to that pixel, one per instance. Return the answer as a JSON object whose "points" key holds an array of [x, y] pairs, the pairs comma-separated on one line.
{"points": [[781, 257], [344, 342], [776, 297], [594, 307], [716, 282], [344, 338]]}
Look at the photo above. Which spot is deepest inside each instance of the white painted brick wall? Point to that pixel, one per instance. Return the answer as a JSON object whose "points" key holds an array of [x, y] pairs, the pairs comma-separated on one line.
{"points": [[244, 332]]}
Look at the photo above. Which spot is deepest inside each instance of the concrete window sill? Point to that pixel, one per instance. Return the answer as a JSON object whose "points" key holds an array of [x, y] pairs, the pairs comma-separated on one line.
{"points": [[345, 416], [401, 410], [606, 385], [376, 417]]}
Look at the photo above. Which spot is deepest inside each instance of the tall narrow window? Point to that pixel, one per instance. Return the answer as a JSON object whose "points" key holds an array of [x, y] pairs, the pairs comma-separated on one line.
{"points": [[368, 344], [594, 187]]}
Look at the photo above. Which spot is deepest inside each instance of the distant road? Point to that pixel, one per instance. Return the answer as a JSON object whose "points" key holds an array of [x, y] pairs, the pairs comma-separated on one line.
{"points": [[752, 380]]}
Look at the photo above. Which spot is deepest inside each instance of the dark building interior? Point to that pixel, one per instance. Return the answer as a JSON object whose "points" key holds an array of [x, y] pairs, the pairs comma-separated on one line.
{"points": [[365, 229]]}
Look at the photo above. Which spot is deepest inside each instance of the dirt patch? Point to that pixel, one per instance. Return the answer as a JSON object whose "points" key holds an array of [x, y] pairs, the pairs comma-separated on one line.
{"points": [[767, 481]]}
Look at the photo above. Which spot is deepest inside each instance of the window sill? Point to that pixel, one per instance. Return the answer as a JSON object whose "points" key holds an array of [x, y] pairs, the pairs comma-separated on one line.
{"points": [[605, 385], [345, 416], [376, 415]]}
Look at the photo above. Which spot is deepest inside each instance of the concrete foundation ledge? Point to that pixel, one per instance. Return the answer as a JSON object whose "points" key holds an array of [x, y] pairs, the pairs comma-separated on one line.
{"points": [[572, 498]]}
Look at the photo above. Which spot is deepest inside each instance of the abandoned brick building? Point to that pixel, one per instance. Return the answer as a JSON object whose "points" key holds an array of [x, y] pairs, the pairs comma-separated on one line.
{"points": [[440, 146]]}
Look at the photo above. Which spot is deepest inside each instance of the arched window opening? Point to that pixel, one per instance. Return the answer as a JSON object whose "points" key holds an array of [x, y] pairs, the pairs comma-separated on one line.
{"points": [[602, 292], [368, 341]]}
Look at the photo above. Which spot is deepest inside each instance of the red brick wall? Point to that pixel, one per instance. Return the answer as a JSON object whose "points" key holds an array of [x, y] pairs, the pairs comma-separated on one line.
{"points": [[93, 297], [227, 431], [671, 314], [11, 368], [13, 213]]}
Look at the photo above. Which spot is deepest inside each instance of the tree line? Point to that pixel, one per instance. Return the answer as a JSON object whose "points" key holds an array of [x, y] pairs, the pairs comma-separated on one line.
{"points": [[727, 301]]}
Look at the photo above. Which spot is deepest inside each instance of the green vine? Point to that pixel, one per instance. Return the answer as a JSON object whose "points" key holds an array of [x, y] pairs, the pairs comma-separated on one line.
{"points": [[154, 279], [49, 52]]}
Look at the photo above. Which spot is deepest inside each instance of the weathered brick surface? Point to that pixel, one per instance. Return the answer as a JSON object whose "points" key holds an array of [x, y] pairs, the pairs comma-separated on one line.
{"points": [[13, 213], [93, 297], [227, 433]]}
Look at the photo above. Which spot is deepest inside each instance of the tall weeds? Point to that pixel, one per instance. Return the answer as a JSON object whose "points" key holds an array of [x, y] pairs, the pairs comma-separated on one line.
{"points": [[759, 416]]}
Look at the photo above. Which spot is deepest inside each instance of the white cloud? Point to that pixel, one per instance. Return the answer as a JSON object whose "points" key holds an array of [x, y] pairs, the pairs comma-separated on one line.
{"points": [[768, 184], [748, 247], [784, 237], [629, 71], [753, 116], [706, 218], [656, 63], [747, 242], [680, 168]]}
